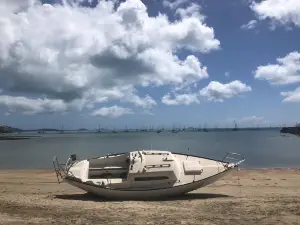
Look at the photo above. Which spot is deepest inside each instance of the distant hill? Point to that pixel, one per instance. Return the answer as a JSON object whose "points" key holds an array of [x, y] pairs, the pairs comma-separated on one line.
{"points": [[47, 129], [42, 129], [82, 129], [8, 129], [291, 130]]}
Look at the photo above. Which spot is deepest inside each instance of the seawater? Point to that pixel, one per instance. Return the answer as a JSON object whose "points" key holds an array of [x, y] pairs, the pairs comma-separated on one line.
{"points": [[262, 149]]}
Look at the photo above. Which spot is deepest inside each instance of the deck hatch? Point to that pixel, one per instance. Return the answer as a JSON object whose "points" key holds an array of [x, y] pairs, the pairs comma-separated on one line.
{"points": [[192, 167]]}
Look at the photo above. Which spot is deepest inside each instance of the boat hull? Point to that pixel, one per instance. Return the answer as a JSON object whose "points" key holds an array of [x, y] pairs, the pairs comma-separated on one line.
{"points": [[149, 193], [182, 173]]}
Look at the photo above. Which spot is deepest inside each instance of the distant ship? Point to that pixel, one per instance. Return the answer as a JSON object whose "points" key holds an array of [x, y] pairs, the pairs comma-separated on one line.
{"points": [[235, 127]]}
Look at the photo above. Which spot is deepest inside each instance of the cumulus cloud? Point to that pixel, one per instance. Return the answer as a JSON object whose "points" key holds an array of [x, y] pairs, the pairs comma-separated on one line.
{"points": [[16, 6], [286, 71], [216, 91], [291, 96], [192, 10], [32, 106], [112, 112], [180, 99], [174, 4], [126, 94], [64, 52], [250, 25], [283, 12], [146, 102]]}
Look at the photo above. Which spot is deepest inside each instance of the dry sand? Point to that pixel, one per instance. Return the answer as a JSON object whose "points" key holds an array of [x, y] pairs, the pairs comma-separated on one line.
{"points": [[265, 197]]}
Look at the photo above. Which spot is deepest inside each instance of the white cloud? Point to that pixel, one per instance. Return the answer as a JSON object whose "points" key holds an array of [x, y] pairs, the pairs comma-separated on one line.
{"points": [[227, 74], [67, 53], [286, 71], [16, 5], [180, 99], [146, 102], [282, 12], [216, 91], [250, 25], [125, 93], [291, 96], [192, 10], [7, 114], [174, 4], [32, 106], [112, 112]]}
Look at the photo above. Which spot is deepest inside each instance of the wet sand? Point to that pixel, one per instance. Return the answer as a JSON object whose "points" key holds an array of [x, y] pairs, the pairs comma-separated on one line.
{"points": [[264, 196]]}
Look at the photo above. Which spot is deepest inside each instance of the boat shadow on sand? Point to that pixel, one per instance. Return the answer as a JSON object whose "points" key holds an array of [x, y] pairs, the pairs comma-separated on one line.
{"points": [[95, 198]]}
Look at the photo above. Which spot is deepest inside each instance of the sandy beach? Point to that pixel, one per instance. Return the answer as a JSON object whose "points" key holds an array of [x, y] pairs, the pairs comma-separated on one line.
{"points": [[262, 196]]}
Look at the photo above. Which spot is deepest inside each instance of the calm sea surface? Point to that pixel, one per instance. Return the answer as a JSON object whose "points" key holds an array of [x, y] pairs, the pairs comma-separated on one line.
{"points": [[262, 149]]}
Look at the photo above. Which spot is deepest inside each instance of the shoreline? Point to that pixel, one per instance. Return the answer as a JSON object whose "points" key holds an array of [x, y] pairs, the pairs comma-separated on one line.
{"points": [[256, 196]]}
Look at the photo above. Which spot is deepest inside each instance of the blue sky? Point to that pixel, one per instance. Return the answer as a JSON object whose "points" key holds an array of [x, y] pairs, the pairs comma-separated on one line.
{"points": [[237, 58]]}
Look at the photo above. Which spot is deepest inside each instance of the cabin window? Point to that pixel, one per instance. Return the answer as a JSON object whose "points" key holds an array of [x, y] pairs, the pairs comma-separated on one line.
{"points": [[151, 178]]}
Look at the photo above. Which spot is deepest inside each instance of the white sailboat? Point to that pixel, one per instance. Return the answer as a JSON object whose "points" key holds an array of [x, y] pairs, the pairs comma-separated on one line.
{"points": [[143, 174]]}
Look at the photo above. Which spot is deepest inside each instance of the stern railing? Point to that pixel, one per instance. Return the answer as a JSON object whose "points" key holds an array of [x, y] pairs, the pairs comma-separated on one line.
{"points": [[232, 159], [62, 169]]}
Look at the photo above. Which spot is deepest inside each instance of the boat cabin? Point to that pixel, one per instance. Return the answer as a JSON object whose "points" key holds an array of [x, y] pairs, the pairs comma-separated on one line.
{"points": [[136, 168]]}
